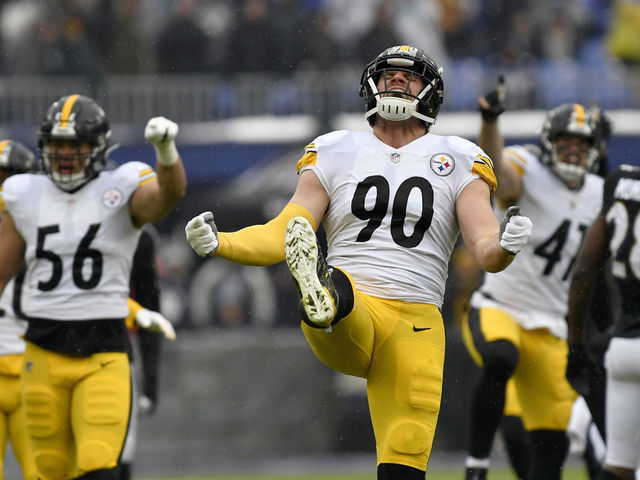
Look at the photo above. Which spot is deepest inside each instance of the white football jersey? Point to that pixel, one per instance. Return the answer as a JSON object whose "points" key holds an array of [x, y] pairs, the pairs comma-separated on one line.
{"points": [[11, 328], [391, 221], [79, 246], [534, 289]]}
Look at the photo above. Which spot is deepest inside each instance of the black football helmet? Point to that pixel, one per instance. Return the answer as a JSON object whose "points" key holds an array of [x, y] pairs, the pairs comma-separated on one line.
{"points": [[16, 158], [75, 118], [394, 105], [567, 119]]}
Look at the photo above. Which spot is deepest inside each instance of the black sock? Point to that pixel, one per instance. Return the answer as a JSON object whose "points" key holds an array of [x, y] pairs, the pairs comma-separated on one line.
{"points": [[550, 448], [395, 471], [102, 474], [516, 441]]}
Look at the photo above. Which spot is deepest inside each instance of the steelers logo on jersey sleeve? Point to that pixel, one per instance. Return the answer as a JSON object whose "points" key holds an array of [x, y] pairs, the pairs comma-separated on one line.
{"points": [[442, 164], [112, 198]]}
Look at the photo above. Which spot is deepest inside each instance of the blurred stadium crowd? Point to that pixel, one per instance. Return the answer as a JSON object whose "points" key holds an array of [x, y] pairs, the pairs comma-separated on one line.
{"points": [[573, 42], [178, 36]]}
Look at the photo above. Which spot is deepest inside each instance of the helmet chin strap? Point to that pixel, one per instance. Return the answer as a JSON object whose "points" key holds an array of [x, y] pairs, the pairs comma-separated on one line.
{"points": [[397, 109]]}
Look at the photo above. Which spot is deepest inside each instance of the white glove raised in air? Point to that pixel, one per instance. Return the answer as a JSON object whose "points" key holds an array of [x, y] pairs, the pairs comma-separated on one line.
{"points": [[155, 322], [202, 234], [515, 230], [161, 132]]}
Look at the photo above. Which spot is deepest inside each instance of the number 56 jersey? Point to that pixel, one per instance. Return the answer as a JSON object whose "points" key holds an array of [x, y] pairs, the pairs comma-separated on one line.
{"points": [[391, 221], [79, 246]]}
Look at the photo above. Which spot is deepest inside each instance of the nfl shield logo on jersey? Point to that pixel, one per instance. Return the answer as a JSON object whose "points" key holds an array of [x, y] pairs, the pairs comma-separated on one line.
{"points": [[442, 164]]}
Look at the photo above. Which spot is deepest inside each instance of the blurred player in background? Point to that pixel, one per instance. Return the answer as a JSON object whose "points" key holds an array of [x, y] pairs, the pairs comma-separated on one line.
{"points": [[14, 158], [76, 235], [516, 327], [613, 235], [146, 349], [392, 202]]}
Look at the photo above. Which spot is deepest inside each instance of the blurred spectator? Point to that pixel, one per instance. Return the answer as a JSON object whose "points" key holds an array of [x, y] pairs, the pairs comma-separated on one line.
{"points": [[624, 34], [347, 22], [123, 53], [183, 46], [381, 34], [63, 47], [420, 22], [291, 27], [322, 49], [252, 39]]}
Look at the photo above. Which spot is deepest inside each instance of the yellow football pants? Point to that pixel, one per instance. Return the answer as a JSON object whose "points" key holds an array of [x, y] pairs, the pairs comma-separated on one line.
{"points": [[399, 348], [76, 410]]}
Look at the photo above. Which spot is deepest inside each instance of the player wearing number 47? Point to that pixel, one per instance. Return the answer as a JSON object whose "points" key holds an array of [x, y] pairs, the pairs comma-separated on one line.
{"points": [[76, 229], [392, 202]]}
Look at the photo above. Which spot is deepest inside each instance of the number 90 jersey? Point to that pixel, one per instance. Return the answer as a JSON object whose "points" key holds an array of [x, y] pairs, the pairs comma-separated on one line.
{"points": [[534, 289], [391, 221], [79, 246]]}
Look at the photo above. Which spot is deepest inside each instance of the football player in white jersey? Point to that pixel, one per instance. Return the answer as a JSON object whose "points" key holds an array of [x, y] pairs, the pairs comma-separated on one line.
{"points": [[516, 328], [613, 235], [75, 229], [14, 158], [392, 202]]}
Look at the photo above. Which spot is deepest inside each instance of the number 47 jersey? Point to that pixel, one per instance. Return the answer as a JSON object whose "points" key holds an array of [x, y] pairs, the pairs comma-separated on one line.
{"points": [[534, 288], [79, 246], [391, 221]]}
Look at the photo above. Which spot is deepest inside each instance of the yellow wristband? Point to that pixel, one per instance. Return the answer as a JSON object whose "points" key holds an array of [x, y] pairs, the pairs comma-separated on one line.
{"points": [[134, 308]]}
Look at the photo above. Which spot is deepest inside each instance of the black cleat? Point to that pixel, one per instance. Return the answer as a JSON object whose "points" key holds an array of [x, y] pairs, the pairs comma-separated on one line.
{"points": [[476, 474]]}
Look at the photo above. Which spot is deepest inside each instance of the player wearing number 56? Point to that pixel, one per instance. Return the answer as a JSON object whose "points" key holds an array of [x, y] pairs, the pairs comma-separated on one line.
{"points": [[392, 202], [76, 229]]}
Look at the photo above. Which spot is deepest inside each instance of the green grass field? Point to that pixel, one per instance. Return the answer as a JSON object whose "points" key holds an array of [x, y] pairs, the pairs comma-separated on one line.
{"points": [[569, 474]]}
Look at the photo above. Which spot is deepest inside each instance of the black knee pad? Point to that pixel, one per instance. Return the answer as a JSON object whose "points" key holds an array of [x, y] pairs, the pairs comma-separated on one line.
{"points": [[500, 358], [345, 293], [395, 471]]}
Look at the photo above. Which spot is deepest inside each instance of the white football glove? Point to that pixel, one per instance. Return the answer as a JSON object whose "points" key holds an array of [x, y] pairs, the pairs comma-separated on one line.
{"points": [[161, 132], [515, 230], [155, 322], [202, 234]]}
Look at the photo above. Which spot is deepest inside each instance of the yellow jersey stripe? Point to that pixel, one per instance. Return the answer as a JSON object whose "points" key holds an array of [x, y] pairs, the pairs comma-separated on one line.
{"points": [[66, 110], [310, 148], [517, 160], [487, 173], [3, 207], [144, 182], [309, 158], [485, 159], [518, 167], [517, 155], [3, 145], [146, 176]]}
